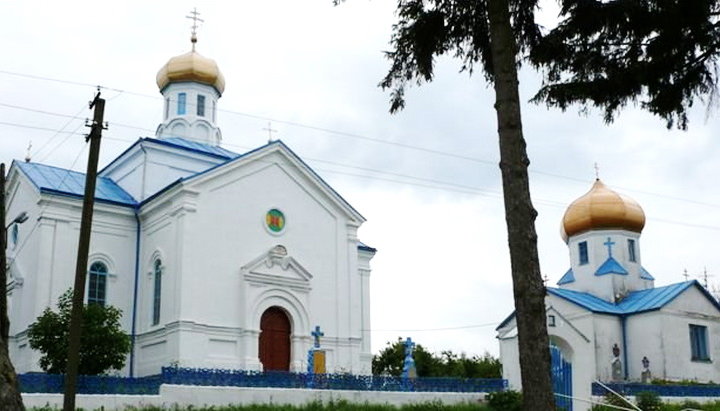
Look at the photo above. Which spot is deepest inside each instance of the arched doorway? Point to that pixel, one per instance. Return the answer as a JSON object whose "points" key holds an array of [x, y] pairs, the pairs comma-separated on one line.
{"points": [[275, 340]]}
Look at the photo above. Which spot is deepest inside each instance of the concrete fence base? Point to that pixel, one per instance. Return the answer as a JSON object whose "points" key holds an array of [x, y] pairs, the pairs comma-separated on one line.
{"points": [[197, 396]]}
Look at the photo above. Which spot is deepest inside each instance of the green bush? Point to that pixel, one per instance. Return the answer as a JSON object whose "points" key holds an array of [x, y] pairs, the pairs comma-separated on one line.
{"points": [[648, 401], [610, 399], [504, 400]]}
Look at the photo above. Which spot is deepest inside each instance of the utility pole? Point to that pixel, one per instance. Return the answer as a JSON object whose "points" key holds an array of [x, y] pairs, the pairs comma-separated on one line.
{"points": [[10, 398], [76, 315]]}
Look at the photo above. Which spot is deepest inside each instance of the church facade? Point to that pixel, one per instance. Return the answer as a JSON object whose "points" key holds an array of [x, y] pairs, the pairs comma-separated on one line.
{"points": [[607, 320], [216, 259]]}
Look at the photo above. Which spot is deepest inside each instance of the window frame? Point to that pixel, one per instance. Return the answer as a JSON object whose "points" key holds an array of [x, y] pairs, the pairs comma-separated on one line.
{"points": [[583, 256], [632, 254], [14, 235], [157, 291], [97, 283], [699, 343], [200, 111], [182, 104]]}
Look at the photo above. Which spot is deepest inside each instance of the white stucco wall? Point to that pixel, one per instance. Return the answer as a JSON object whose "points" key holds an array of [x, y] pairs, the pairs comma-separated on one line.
{"points": [[207, 231], [47, 259], [691, 307], [606, 286]]}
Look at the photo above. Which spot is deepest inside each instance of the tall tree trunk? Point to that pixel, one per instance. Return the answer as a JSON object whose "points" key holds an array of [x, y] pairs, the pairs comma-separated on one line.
{"points": [[10, 399], [528, 287]]}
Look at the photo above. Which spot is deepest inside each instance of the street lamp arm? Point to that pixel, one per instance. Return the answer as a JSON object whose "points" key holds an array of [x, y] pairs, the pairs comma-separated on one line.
{"points": [[21, 218]]}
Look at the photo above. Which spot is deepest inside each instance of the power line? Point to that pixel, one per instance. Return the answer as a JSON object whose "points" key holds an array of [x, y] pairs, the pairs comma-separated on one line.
{"points": [[460, 327], [341, 133], [47, 143], [5, 123]]}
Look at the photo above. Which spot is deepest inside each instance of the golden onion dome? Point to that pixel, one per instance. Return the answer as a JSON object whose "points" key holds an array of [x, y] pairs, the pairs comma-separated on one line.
{"points": [[191, 67], [602, 208]]}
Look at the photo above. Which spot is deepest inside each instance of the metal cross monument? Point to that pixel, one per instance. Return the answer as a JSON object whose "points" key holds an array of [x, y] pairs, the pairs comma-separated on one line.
{"points": [[317, 334]]}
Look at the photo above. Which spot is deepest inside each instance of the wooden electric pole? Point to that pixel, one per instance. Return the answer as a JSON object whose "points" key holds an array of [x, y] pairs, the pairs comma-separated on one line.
{"points": [[76, 315]]}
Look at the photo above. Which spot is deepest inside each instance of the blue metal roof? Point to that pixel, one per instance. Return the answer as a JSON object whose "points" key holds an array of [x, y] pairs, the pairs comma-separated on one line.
{"points": [[56, 180], [365, 247], [567, 278], [611, 266], [198, 147], [645, 275], [635, 302]]}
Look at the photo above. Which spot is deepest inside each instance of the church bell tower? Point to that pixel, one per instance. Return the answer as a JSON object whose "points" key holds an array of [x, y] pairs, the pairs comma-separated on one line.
{"points": [[602, 230], [191, 86]]}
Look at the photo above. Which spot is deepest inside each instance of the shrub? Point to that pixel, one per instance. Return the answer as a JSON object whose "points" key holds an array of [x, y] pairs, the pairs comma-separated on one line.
{"points": [[648, 401], [504, 400]]}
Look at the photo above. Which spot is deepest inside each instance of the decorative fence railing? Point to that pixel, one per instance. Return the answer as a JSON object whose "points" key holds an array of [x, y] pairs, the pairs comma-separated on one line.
{"points": [[90, 384], [237, 378], [49, 383], [663, 390]]}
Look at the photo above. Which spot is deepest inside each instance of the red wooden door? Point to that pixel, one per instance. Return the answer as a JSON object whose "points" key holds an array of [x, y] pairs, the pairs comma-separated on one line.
{"points": [[275, 340]]}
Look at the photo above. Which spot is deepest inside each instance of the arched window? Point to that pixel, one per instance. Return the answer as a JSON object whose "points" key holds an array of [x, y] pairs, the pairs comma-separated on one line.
{"points": [[97, 283], [157, 292]]}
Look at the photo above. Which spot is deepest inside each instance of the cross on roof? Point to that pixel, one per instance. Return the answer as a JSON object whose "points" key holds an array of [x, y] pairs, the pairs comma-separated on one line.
{"points": [[270, 130], [609, 243], [194, 17], [317, 334], [597, 171]]}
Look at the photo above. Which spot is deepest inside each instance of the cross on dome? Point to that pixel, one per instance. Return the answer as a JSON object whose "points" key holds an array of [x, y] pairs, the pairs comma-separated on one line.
{"points": [[194, 17]]}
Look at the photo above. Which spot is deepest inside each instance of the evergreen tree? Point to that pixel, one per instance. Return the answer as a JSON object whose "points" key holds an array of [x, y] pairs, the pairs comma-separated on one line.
{"points": [[608, 53], [489, 34]]}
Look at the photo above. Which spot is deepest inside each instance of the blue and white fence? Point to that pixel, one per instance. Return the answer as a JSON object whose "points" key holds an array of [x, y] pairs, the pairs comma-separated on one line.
{"points": [[49, 383]]}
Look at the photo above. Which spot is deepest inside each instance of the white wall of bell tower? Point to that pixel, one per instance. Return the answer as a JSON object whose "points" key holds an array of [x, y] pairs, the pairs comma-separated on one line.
{"points": [[190, 112]]}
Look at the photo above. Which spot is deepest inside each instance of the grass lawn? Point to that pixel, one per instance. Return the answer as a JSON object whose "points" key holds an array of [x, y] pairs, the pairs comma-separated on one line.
{"points": [[332, 406]]}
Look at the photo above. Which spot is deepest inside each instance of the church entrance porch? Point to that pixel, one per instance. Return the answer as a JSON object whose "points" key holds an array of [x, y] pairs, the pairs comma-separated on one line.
{"points": [[274, 342]]}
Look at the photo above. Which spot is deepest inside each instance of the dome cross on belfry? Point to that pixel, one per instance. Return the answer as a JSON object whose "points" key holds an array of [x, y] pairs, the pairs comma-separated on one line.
{"points": [[194, 17], [191, 66]]}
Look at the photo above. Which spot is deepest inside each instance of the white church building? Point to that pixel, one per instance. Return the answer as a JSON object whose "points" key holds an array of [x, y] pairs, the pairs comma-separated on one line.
{"points": [[216, 259], [607, 320]]}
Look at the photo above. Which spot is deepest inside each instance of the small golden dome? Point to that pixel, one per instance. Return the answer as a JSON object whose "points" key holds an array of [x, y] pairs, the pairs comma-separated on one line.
{"points": [[191, 67], [602, 208]]}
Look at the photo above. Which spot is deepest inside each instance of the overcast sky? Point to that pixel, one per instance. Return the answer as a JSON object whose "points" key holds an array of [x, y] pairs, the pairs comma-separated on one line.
{"points": [[426, 179]]}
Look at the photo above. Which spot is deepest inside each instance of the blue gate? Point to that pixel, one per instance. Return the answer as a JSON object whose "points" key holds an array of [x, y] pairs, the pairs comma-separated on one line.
{"points": [[562, 379]]}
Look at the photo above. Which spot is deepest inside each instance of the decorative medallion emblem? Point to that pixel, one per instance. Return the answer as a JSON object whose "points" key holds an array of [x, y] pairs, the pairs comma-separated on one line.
{"points": [[275, 220]]}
